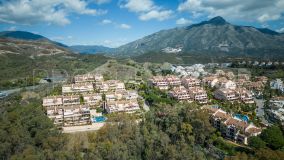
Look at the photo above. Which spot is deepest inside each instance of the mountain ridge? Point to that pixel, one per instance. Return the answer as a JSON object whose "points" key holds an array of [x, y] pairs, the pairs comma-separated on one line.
{"points": [[212, 36]]}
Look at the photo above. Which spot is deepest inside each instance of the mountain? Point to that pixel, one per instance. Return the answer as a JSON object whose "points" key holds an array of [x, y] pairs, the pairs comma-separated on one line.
{"points": [[27, 36], [92, 49], [21, 35], [213, 37]]}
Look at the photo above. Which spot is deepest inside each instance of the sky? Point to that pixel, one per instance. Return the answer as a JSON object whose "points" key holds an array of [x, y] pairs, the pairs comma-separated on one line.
{"points": [[116, 22]]}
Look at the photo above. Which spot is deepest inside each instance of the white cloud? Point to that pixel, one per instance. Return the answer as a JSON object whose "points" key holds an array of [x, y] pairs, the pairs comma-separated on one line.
{"points": [[146, 9], [267, 17], [154, 14], [51, 11], [101, 1], [183, 21], [280, 30], [124, 26], [138, 5], [12, 28], [252, 10], [106, 21]]}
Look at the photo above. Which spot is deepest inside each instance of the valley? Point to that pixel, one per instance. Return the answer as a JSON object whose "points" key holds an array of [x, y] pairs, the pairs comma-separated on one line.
{"points": [[210, 90]]}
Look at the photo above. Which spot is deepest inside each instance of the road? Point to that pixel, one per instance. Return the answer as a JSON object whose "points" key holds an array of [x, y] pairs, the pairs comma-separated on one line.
{"points": [[92, 127], [260, 110], [11, 91]]}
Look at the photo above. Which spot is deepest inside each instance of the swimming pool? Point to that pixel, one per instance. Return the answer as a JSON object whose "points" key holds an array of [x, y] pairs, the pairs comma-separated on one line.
{"points": [[99, 119], [242, 117]]}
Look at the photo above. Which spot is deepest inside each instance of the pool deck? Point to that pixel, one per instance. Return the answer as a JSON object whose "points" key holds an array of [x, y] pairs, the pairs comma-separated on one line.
{"points": [[74, 129]]}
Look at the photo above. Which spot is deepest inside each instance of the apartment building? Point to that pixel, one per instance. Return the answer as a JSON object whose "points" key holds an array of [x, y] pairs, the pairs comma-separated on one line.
{"points": [[71, 100], [228, 84], [121, 95], [77, 88], [198, 94], [276, 110], [160, 82], [111, 96], [277, 84], [76, 115], [84, 78], [128, 106], [219, 72], [70, 115], [256, 86], [190, 82], [128, 95], [173, 80], [52, 101], [208, 80], [230, 75], [263, 79], [244, 76], [114, 85], [225, 94], [233, 128], [241, 82], [94, 100], [244, 95], [88, 78], [180, 93]]}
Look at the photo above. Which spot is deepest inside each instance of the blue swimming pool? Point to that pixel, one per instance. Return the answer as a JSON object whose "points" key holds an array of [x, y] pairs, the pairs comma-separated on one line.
{"points": [[99, 119], [242, 117]]}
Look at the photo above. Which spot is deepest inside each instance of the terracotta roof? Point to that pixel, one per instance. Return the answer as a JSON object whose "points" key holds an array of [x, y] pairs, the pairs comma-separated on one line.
{"points": [[222, 115], [253, 130], [237, 123]]}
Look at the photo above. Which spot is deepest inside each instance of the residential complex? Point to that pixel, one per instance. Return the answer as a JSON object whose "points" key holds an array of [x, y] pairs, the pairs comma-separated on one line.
{"points": [[231, 127], [89, 92]]}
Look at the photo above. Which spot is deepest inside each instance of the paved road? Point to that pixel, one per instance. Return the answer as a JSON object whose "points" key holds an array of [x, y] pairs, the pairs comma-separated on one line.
{"points": [[260, 110], [8, 92]]}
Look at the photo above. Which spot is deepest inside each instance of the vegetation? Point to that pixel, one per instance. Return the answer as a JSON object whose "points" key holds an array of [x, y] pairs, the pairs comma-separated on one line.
{"points": [[32, 70], [26, 133]]}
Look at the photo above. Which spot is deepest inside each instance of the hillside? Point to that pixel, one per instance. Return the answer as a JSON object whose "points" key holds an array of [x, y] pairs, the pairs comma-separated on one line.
{"points": [[27, 36], [20, 59], [214, 37]]}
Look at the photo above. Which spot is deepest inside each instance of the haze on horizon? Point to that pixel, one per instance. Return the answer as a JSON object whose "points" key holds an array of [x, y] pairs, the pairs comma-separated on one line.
{"points": [[115, 22]]}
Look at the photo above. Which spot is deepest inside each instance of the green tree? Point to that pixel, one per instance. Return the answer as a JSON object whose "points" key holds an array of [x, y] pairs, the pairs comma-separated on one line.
{"points": [[273, 136], [256, 142]]}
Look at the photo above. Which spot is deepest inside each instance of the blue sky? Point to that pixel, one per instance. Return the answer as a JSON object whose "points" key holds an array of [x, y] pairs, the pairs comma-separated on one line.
{"points": [[116, 22]]}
